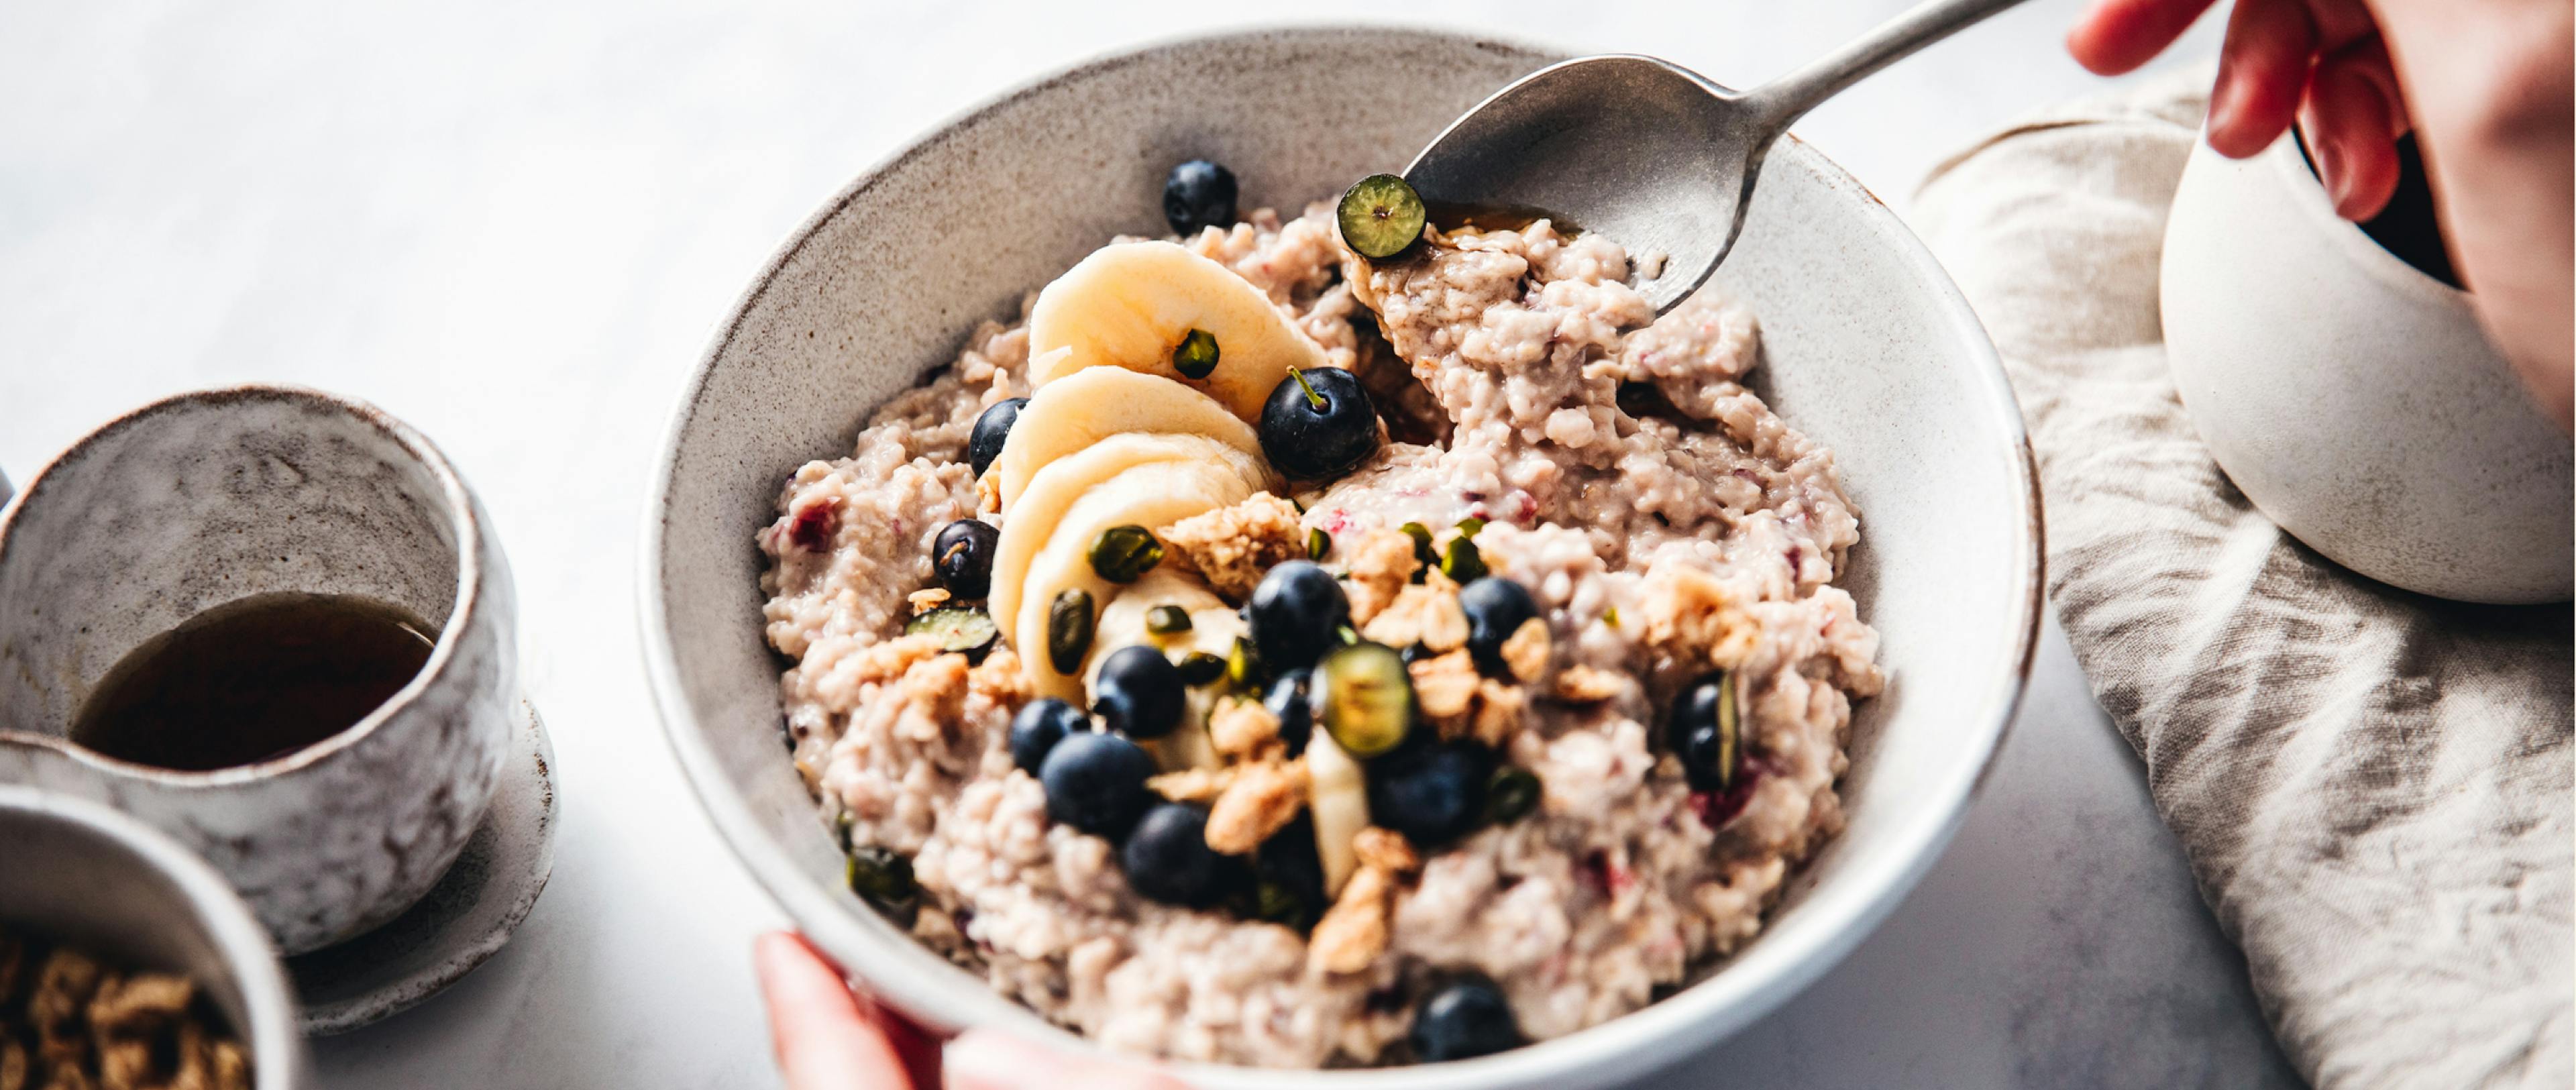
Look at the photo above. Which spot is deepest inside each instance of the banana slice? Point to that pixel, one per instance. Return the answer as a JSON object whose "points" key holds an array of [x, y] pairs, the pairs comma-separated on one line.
{"points": [[1122, 621], [1213, 628], [1152, 494], [1338, 795], [1028, 524], [1129, 305], [1088, 406]]}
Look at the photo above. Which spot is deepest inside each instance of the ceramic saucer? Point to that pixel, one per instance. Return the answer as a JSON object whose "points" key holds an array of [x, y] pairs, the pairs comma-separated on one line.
{"points": [[463, 920]]}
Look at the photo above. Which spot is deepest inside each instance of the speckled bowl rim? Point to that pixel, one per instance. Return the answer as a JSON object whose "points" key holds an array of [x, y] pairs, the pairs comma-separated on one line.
{"points": [[268, 1003], [1797, 946], [464, 522]]}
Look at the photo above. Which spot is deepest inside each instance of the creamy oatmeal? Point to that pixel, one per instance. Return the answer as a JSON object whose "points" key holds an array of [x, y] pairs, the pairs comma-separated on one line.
{"points": [[1580, 678]]}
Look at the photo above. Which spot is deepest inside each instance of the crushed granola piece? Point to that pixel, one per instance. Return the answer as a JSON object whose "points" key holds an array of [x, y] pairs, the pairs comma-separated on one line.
{"points": [[1231, 547], [139, 1003], [1426, 613], [1192, 784], [1587, 684], [1381, 566], [63, 988], [1381, 847], [1690, 615], [988, 494], [227, 1066], [933, 697], [1498, 711], [927, 599], [1444, 687], [883, 662], [71, 1022], [124, 1063], [1242, 729], [1460, 703], [1356, 929], [1264, 797], [999, 678], [1525, 651]]}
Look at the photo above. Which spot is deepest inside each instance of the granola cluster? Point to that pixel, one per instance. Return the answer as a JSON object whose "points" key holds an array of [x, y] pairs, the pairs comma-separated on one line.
{"points": [[71, 1022]]}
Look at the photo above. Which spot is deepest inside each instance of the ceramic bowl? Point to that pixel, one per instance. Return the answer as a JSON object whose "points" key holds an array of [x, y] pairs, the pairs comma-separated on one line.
{"points": [[84, 874], [2354, 399], [1870, 350]]}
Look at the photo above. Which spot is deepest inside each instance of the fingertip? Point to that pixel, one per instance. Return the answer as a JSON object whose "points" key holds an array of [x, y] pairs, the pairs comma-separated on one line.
{"points": [[2116, 37], [2352, 118], [2365, 183], [2084, 43]]}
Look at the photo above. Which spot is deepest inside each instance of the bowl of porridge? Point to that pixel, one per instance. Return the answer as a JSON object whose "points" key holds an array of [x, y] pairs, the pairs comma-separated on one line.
{"points": [[1128, 572]]}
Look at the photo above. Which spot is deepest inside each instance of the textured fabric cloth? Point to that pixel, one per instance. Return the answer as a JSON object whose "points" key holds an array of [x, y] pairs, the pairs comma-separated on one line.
{"points": [[2374, 787]]}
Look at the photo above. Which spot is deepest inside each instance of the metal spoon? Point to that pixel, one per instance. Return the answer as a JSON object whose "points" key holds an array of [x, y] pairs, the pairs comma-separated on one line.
{"points": [[1647, 152]]}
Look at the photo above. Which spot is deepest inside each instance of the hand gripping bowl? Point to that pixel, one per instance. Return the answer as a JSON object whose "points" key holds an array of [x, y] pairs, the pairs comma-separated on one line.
{"points": [[1870, 350]]}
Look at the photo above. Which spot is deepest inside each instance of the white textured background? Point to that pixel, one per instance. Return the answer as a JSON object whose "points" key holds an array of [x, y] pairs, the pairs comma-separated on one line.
{"points": [[514, 224]]}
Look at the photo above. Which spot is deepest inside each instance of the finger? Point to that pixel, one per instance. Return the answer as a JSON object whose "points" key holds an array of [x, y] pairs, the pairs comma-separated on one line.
{"points": [[2119, 35], [2352, 117], [2262, 72], [982, 1059], [823, 1040], [917, 1047]]}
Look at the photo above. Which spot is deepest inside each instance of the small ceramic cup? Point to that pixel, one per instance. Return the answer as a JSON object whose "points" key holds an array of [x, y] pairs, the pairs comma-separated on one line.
{"points": [[210, 497], [83, 874], [2354, 399]]}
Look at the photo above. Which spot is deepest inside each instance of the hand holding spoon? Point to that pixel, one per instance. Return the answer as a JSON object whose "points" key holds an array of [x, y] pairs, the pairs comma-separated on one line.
{"points": [[1648, 152]]}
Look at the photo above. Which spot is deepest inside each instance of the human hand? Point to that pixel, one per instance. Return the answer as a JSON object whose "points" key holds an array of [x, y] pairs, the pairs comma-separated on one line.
{"points": [[828, 1038], [2489, 88], [2322, 61]]}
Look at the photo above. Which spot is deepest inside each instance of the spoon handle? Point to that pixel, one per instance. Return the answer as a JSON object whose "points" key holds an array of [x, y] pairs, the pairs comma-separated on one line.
{"points": [[1784, 100]]}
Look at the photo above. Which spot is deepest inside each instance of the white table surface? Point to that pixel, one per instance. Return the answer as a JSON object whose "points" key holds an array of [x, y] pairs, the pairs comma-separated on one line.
{"points": [[514, 225]]}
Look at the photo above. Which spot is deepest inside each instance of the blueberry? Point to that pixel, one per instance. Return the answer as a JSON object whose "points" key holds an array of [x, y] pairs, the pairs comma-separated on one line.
{"points": [[1496, 607], [1167, 858], [962, 554], [1287, 865], [1287, 700], [1432, 793], [1198, 194], [1705, 733], [1319, 423], [1040, 725], [1096, 782], [985, 443], [1463, 1020], [1296, 614], [1138, 692]]}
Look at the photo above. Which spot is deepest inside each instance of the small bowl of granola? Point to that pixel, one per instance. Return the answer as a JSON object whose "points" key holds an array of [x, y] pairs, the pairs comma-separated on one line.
{"points": [[126, 962], [1240, 616]]}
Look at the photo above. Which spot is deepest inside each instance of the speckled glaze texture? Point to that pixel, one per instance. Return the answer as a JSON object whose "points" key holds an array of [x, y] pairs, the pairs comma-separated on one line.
{"points": [[2354, 399], [82, 872], [210, 497], [1868, 349], [460, 923]]}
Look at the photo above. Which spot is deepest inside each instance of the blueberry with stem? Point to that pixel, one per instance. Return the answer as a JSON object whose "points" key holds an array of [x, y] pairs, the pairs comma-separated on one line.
{"points": [[1319, 423]]}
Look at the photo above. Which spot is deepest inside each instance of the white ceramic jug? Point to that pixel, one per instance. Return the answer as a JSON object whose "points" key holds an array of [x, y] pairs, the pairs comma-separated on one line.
{"points": [[2354, 399]]}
